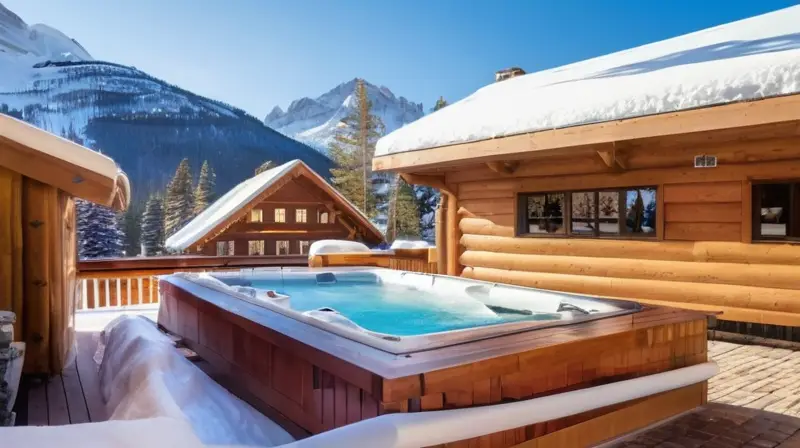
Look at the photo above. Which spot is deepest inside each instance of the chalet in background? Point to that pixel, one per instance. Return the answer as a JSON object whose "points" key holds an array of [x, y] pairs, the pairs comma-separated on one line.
{"points": [[281, 211], [40, 177]]}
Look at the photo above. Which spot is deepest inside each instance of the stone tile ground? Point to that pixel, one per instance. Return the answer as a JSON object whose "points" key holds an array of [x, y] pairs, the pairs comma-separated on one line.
{"points": [[753, 402]]}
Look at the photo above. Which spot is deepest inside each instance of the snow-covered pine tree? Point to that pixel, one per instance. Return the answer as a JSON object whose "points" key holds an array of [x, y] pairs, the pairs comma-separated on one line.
{"points": [[403, 212], [178, 202], [98, 230], [352, 150], [268, 165], [153, 226], [428, 197], [204, 192]]}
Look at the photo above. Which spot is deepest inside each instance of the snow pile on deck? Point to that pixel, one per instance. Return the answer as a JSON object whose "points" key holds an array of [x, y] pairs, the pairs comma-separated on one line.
{"points": [[403, 244], [751, 59], [323, 247], [142, 375]]}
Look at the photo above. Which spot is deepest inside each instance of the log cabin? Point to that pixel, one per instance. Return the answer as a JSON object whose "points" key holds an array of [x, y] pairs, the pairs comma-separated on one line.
{"points": [[40, 177], [668, 174], [280, 211]]}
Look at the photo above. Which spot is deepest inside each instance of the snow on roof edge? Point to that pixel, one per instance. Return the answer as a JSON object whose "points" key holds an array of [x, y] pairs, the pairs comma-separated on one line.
{"points": [[747, 60]]}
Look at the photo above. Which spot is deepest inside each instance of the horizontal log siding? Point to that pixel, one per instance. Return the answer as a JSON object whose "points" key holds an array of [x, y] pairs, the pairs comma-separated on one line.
{"points": [[705, 260]]}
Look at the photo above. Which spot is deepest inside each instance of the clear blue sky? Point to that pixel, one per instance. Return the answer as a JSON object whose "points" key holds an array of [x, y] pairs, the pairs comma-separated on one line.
{"points": [[255, 54]]}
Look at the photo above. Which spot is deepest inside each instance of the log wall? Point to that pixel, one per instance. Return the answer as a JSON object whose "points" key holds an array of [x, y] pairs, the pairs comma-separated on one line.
{"points": [[38, 268], [703, 257]]}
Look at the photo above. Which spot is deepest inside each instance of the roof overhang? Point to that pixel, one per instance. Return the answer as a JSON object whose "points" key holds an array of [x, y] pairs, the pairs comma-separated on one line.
{"points": [[78, 171], [587, 138]]}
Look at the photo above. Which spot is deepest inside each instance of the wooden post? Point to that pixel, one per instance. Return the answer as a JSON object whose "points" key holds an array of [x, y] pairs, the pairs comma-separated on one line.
{"points": [[11, 288], [441, 235], [453, 237]]}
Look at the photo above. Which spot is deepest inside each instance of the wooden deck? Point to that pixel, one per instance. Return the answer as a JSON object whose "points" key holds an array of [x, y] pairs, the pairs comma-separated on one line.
{"points": [[70, 398]]}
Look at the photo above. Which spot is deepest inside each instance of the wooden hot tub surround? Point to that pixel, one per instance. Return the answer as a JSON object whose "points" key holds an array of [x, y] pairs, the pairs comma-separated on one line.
{"points": [[318, 381]]}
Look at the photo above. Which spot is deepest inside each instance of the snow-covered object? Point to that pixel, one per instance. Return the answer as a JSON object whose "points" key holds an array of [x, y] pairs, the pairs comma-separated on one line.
{"points": [[745, 60], [37, 41], [314, 121], [403, 244], [323, 247], [416, 429], [142, 376], [232, 202]]}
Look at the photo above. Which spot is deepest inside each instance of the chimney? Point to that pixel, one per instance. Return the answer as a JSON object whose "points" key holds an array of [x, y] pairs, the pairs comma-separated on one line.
{"points": [[508, 73]]}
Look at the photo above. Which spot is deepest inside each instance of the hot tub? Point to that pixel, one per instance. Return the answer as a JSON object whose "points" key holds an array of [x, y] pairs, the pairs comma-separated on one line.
{"points": [[334, 346], [403, 312]]}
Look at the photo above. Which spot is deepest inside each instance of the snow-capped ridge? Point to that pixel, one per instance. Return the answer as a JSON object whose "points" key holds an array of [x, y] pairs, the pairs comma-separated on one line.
{"points": [[36, 42], [314, 120]]}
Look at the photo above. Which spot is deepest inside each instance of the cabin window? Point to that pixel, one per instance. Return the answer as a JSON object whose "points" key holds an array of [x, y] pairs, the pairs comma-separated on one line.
{"points": [[304, 247], [300, 215], [280, 215], [776, 211], [255, 247], [256, 215], [231, 248], [282, 247], [625, 212], [222, 248], [323, 217]]}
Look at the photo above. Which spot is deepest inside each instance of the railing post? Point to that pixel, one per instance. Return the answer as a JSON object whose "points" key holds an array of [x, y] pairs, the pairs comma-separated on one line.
{"points": [[140, 284]]}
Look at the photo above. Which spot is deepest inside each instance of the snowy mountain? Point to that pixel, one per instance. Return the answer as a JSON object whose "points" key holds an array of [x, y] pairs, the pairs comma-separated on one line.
{"points": [[147, 125], [314, 121]]}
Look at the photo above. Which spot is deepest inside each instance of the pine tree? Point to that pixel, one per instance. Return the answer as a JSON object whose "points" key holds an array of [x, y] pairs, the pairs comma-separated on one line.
{"points": [[403, 213], [352, 150], [131, 224], [204, 192], [428, 197], [153, 226], [268, 165], [440, 103], [178, 202], [98, 231]]}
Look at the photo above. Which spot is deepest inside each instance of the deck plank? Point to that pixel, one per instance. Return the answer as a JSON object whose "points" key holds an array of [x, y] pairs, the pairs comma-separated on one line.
{"points": [[76, 403], [37, 403], [89, 377], [57, 411]]}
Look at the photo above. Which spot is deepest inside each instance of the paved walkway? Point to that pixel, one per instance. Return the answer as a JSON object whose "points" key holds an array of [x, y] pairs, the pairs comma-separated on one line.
{"points": [[753, 402]]}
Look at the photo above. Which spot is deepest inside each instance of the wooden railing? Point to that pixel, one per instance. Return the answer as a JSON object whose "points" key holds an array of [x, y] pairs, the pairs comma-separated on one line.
{"points": [[123, 282], [413, 260]]}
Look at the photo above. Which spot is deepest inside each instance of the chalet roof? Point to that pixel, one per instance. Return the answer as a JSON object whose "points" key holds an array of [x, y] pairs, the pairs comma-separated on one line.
{"points": [[55, 161], [243, 197], [751, 59]]}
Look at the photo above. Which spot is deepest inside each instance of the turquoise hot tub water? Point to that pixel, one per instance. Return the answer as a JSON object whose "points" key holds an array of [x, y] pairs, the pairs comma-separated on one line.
{"points": [[393, 309]]}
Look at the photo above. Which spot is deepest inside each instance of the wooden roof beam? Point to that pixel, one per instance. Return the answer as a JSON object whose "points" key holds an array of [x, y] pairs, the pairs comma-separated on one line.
{"points": [[436, 182], [504, 167], [613, 158]]}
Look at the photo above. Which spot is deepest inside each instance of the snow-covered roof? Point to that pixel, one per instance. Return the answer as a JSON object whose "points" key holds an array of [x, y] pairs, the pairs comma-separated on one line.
{"points": [[233, 202], [56, 161], [750, 59]]}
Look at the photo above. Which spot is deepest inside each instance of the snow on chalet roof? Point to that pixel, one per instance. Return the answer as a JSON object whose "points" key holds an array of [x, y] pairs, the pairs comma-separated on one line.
{"points": [[750, 59], [232, 201]]}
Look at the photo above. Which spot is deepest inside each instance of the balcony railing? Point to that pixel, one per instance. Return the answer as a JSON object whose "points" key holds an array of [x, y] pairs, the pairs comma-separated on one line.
{"points": [[121, 282], [124, 282]]}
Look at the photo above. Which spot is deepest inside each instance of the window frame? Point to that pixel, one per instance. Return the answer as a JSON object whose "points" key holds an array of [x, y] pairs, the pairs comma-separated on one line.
{"points": [[279, 212], [521, 212], [278, 247], [298, 212], [231, 248], [259, 212], [755, 212], [261, 246], [300, 246], [327, 219], [222, 248]]}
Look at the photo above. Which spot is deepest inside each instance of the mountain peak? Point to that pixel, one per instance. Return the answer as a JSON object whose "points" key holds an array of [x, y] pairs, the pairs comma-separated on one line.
{"points": [[314, 121], [274, 114], [37, 42]]}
